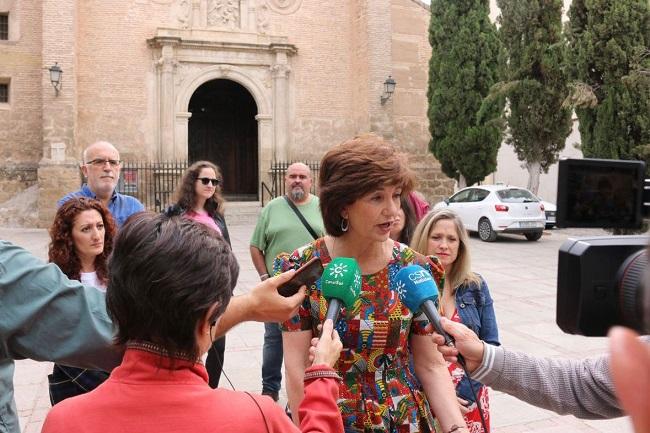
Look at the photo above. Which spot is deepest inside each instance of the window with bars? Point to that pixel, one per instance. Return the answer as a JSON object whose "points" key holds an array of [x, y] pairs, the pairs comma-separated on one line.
{"points": [[4, 93], [4, 26]]}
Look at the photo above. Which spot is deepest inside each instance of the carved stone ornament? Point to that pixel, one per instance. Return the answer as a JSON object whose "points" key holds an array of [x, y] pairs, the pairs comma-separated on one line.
{"points": [[284, 7], [262, 17], [223, 13]]}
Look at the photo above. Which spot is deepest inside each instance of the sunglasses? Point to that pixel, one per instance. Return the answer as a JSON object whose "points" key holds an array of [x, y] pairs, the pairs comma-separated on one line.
{"points": [[207, 180]]}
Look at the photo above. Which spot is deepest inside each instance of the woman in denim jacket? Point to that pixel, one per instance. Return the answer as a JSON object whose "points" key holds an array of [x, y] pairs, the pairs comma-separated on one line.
{"points": [[465, 298]]}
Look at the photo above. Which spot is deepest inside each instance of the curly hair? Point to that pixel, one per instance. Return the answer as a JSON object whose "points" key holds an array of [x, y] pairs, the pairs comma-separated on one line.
{"points": [[186, 194], [61, 250]]}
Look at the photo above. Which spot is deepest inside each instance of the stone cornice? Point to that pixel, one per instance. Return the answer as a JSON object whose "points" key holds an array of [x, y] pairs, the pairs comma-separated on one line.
{"points": [[221, 40]]}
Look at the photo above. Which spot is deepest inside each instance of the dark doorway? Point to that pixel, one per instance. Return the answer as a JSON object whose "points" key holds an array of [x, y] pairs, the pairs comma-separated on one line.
{"points": [[223, 130]]}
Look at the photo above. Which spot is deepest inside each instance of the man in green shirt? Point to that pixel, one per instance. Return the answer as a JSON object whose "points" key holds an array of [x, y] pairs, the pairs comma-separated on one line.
{"points": [[280, 230]]}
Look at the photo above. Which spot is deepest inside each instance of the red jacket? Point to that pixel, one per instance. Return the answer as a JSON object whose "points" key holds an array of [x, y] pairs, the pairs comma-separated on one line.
{"points": [[144, 394]]}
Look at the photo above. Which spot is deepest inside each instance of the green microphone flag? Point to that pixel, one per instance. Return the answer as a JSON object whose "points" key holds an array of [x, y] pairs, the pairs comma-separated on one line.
{"points": [[341, 285]]}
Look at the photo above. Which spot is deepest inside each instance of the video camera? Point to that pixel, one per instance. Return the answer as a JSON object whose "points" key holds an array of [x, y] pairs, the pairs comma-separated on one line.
{"points": [[601, 280]]}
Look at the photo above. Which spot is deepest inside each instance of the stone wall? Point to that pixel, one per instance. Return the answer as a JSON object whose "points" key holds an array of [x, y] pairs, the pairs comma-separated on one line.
{"points": [[410, 59], [20, 120]]}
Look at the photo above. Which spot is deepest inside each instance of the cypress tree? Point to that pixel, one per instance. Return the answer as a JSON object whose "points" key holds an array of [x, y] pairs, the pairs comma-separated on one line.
{"points": [[536, 86], [464, 65], [609, 57]]}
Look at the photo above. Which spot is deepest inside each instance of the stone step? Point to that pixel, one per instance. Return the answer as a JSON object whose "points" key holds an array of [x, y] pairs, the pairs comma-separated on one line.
{"points": [[242, 212]]}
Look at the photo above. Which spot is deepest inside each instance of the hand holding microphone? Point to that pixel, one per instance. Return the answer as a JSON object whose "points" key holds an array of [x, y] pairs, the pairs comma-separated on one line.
{"points": [[466, 342], [341, 286], [327, 348], [418, 291]]}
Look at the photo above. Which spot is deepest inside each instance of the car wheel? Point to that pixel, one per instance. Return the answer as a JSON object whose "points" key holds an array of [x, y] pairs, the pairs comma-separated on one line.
{"points": [[534, 236], [485, 231]]}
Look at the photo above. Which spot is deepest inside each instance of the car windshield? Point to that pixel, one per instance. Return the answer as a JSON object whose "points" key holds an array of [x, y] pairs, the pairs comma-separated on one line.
{"points": [[516, 195]]}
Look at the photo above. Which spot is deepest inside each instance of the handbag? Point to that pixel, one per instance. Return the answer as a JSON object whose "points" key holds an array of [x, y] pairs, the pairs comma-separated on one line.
{"points": [[301, 218]]}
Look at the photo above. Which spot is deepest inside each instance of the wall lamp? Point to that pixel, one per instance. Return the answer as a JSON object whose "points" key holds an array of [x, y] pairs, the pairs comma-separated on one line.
{"points": [[389, 88], [55, 77]]}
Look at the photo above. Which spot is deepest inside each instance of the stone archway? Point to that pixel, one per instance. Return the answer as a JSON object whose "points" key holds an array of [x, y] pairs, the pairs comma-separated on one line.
{"points": [[223, 129]]}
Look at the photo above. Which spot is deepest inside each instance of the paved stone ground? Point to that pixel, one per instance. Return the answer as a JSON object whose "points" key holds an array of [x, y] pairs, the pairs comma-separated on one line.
{"points": [[522, 278]]}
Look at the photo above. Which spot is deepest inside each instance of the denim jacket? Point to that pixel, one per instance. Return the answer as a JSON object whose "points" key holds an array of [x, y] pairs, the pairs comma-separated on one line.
{"points": [[474, 306]]}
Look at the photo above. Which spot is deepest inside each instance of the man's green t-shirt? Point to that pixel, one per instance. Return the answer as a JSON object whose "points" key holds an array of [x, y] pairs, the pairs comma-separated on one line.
{"points": [[279, 230]]}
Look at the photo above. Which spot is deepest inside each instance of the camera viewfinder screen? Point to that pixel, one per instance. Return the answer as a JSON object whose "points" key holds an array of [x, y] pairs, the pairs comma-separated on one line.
{"points": [[600, 193]]}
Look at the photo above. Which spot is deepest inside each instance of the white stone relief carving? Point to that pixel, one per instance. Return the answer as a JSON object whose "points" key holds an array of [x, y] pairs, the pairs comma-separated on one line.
{"points": [[185, 13], [280, 70], [284, 7], [223, 13], [262, 18]]}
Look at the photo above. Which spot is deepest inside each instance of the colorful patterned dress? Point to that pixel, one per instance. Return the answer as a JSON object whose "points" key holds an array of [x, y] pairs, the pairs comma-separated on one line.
{"points": [[379, 391], [472, 418]]}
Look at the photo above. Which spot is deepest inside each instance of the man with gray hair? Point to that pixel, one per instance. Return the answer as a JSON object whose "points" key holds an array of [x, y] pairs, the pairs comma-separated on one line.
{"points": [[281, 230], [101, 168]]}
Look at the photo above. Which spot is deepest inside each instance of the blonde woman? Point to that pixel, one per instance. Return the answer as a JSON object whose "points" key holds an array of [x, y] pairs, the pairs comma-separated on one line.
{"points": [[465, 298]]}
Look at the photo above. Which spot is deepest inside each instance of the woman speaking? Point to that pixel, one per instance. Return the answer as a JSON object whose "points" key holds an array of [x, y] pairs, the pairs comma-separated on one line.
{"points": [[361, 183]]}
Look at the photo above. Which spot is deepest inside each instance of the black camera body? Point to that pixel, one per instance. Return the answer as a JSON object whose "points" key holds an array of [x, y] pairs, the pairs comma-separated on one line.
{"points": [[601, 280]]}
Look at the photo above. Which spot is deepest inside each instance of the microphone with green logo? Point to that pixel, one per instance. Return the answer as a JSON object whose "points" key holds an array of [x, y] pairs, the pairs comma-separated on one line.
{"points": [[341, 285]]}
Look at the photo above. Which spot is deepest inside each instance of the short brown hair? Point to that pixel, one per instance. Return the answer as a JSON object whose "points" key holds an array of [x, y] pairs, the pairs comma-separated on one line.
{"points": [[164, 276], [354, 168]]}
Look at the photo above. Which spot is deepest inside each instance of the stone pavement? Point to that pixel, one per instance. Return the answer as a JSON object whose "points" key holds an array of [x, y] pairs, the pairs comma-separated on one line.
{"points": [[521, 276]]}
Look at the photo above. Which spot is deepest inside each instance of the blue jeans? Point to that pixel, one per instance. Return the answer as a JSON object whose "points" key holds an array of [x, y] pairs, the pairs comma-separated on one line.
{"points": [[272, 358]]}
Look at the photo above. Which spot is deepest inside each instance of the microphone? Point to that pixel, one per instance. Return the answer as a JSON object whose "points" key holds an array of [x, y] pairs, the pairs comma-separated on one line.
{"points": [[341, 285], [417, 290]]}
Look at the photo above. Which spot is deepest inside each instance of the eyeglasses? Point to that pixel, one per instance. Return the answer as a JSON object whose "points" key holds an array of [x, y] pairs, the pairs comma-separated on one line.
{"points": [[207, 180], [101, 162]]}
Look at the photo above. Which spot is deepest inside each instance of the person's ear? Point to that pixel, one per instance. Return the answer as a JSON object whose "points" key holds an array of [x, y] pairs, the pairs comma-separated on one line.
{"points": [[209, 319], [84, 170]]}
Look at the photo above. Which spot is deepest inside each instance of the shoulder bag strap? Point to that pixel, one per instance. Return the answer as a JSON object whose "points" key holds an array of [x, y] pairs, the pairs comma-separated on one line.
{"points": [[301, 217]]}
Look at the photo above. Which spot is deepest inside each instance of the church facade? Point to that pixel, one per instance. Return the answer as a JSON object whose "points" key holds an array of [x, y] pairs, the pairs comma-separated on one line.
{"points": [[242, 83]]}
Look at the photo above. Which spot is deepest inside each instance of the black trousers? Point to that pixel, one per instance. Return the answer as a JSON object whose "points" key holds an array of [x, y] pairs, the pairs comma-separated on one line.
{"points": [[214, 362]]}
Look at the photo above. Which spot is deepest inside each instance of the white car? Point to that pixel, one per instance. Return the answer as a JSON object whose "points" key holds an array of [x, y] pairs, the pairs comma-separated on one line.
{"points": [[550, 210], [493, 209]]}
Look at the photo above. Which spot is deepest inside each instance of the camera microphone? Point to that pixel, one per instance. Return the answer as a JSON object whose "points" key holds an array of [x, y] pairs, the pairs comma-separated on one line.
{"points": [[341, 285], [417, 290]]}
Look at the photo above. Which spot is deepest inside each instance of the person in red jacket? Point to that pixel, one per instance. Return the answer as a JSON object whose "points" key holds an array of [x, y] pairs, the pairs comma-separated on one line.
{"points": [[170, 281]]}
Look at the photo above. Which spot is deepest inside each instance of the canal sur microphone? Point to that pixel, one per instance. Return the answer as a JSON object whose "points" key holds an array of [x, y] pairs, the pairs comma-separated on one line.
{"points": [[418, 291], [341, 285]]}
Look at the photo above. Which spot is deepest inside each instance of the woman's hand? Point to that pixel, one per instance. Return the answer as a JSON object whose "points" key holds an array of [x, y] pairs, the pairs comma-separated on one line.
{"points": [[327, 348]]}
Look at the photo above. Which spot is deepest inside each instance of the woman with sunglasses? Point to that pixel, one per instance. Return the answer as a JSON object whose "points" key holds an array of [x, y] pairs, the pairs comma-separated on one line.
{"points": [[199, 198]]}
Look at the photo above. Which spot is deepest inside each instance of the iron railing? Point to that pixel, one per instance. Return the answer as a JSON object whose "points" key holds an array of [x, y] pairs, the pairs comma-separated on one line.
{"points": [[151, 182], [154, 182]]}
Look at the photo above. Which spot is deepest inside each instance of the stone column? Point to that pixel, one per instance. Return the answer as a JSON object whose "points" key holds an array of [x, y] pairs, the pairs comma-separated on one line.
{"points": [[280, 72], [181, 132], [58, 171], [167, 64]]}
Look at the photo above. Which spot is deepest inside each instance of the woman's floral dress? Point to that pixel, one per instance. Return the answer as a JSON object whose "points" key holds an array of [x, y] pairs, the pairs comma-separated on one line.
{"points": [[379, 391]]}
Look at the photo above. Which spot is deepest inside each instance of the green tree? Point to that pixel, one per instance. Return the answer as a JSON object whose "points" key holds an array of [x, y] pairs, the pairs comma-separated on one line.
{"points": [[609, 59], [463, 67], [536, 83]]}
